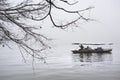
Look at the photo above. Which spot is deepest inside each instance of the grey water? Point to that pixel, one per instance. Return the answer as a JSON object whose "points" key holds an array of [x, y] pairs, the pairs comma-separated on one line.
{"points": [[62, 65]]}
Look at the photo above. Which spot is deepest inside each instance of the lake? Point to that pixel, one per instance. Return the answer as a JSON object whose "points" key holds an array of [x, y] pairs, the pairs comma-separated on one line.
{"points": [[61, 65]]}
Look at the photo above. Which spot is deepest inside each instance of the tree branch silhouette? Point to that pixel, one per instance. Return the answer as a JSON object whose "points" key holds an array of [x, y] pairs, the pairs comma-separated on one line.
{"points": [[29, 39]]}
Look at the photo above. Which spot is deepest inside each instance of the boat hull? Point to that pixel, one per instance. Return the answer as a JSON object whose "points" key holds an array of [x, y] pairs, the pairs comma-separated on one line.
{"points": [[92, 51]]}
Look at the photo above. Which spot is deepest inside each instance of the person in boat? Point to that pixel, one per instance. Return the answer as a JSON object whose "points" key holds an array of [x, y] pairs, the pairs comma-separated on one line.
{"points": [[88, 48], [99, 49], [81, 47]]}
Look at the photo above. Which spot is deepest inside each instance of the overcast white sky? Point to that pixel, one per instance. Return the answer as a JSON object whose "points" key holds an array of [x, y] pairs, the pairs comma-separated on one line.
{"points": [[105, 29]]}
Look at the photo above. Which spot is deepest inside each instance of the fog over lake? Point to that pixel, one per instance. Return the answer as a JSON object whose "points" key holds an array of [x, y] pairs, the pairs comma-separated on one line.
{"points": [[104, 29], [61, 63]]}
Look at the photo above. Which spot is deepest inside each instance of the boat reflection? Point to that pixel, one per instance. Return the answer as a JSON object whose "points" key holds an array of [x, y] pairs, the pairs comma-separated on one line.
{"points": [[92, 57]]}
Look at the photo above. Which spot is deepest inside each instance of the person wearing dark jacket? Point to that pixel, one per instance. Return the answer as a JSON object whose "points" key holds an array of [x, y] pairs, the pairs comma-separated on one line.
{"points": [[81, 47]]}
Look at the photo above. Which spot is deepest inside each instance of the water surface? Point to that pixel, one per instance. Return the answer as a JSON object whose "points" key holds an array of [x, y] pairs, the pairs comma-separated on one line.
{"points": [[62, 65]]}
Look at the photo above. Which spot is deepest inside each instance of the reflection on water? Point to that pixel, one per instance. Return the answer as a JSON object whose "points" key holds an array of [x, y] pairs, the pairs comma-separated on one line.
{"points": [[92, 57]]}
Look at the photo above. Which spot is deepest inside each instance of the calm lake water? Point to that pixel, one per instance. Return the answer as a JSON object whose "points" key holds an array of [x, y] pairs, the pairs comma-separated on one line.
{"points": [[62, 65]]}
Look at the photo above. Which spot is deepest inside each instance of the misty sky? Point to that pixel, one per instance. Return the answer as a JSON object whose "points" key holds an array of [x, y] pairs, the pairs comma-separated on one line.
{"points": [[106, 28]]}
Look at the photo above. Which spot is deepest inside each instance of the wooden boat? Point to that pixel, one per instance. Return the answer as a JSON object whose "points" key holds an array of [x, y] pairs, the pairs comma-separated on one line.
{"points": [[97, 50]]}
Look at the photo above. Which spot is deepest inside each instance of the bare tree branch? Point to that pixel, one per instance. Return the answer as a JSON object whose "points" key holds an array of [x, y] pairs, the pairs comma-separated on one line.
{"points": [[27, 39], [65, 1]]}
